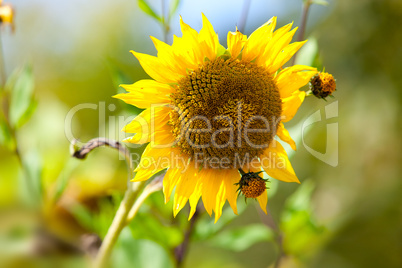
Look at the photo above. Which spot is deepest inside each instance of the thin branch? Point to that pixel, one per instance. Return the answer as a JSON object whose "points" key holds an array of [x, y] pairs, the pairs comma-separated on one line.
{"points": [[95, 143], [154, 186], [303, 23], [244, 15], [119, 222], [269, 221], [182, 249]]}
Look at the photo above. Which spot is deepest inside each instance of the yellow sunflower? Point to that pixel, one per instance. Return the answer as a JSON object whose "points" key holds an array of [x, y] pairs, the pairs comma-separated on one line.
{"points": [[211, 114]]}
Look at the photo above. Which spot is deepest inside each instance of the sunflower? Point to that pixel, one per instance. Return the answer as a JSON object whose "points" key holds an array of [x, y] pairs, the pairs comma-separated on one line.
{"points": [[211, 114]]}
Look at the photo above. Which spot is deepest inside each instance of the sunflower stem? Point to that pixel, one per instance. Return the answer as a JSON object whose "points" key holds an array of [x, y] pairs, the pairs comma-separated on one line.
{"points": [[119, 222], [303, 23], [154, 186], [181, 250], [244, 15]]}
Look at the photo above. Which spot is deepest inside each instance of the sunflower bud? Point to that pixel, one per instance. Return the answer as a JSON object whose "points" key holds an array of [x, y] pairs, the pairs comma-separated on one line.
{"points": [[251, 185], [6, 14], [322, 85]]}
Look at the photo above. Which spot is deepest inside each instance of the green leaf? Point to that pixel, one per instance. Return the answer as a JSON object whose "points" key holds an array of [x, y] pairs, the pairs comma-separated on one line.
{"points": [[174, 4], [309, 54], [22, 105], [34, 168], [242, 238], [303, 235], [148, 10], [205, 227]]}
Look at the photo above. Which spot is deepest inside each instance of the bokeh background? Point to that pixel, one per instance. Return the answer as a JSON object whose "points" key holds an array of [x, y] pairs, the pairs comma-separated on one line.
{"points": [[348, 215]]}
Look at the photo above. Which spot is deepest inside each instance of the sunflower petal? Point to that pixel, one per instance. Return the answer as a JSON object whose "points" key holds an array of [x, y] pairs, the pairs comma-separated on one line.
{"points": [[258, 40], [276, 163], [232, 177], [263, 201], [211, 181], [285, 55], [185, 188], [208, 35], [170, 180], [235, 42], [220, 200], [155, 68], [291, 104], [152, 161], [284, 135], [193, 200], [292, 78]]}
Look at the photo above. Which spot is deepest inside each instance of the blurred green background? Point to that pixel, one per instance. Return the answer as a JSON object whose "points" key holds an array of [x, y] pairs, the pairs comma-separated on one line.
{"points": [[348, 215]]}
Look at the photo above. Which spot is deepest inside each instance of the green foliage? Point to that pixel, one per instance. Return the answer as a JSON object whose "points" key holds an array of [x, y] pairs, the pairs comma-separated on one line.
{"points": [[205, 227], [309, 54], [97, 222], [302, 234], [33, 168], [6, 137], [241, 238], [22, 105], [146, 226], [130, 252], [144, 5]]}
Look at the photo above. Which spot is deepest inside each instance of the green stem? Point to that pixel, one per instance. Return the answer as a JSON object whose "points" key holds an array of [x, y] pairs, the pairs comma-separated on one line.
{"points": [[165, 23], [2, 65], [119, 222], [152, 187]]}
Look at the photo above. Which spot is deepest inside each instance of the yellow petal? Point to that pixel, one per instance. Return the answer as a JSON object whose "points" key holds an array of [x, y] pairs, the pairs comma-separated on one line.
{"points": [[208, 35], [292, 78], [281, 38], [211, 181], [231, 189], [152, 161], [146, 92], [284, 135], [291, 104], [150, 125], [263, 201], [156, 69], [235, 42], [170, 180], [220, 200], [193, 200], [278, 40], [167, 55], [276, 163], [285, 55], [185, 188], [258, 40]]}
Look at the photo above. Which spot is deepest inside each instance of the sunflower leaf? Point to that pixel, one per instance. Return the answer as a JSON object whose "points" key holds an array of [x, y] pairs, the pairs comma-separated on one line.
{"points": [[242, 238], [144, 6]]}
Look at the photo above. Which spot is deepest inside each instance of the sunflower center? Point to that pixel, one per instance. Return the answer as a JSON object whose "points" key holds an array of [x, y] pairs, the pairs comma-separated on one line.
{"points": [[226, 112]]}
